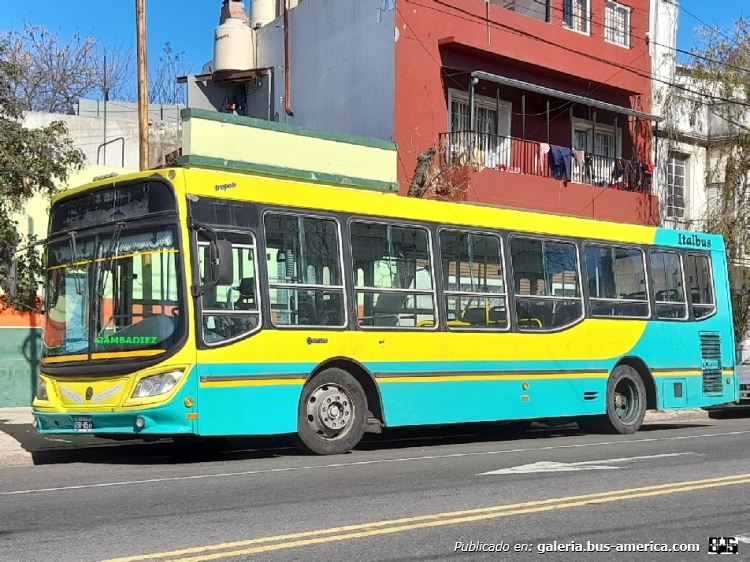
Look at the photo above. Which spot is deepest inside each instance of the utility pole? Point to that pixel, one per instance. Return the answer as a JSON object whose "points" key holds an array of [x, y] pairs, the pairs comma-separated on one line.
{"points": [[106, 99], [140, 24]]}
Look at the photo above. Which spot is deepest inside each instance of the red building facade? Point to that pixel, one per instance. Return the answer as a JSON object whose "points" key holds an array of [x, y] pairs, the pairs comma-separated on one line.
{"points": [[499, 89]]}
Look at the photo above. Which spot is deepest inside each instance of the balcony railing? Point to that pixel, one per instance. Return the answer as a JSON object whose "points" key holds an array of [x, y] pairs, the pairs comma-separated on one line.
{"points": [[512, 155]]}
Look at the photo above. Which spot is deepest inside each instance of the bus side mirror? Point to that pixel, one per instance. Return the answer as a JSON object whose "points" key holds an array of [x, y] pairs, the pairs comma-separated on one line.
{"points": [[221, 262]]}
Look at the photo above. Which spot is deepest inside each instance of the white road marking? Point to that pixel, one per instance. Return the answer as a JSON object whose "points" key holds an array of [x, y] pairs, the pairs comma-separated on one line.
{"points": [[549, 466], [361, 463], [743, 538]]}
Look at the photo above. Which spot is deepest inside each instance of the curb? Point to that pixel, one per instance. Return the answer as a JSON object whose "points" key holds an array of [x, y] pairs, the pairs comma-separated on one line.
{"points": [[694, 414]]}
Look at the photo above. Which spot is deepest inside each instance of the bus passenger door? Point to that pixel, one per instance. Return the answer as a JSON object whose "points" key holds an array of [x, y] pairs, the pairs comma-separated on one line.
{"points": [[229, 315]]}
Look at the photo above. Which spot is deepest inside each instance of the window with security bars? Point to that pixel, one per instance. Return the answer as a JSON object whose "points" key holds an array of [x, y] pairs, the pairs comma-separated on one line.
{"points": [[676, 167], [617, 24], [485, 118], [488, 142], [576, 15]]}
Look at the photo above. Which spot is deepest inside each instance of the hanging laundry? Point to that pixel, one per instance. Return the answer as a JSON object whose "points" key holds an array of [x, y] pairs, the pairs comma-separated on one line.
{"points": [[559, 162], [543, 151]]}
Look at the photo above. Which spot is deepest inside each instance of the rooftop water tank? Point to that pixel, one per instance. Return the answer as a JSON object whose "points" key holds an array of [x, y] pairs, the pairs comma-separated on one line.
{"points": [[233, 46], [262, 12]]}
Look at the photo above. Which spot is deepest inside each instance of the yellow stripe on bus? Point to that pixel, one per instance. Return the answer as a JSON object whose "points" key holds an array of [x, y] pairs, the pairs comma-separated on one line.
{"points": [[248, 382], [166, 251]]}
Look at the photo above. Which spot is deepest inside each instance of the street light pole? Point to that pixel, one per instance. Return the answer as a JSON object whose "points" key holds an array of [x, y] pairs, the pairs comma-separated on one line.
{"points": [[140, 24]]}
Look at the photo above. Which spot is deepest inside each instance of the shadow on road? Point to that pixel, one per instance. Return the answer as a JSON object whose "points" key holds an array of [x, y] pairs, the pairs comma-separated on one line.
{"points": [[90, 449]]}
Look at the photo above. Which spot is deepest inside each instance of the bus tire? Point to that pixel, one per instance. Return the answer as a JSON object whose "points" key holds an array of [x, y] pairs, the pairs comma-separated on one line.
{"points": [[332, 413], [626, 404]]}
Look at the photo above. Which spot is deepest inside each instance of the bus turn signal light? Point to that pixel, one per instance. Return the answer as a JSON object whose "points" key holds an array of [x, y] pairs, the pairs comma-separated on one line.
{"points": [[192, 416], [525, 386], [188, 402]]}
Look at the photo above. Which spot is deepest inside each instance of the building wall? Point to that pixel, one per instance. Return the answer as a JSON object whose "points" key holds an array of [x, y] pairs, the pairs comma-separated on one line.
{"points": [[341, 66], [88, 135]]}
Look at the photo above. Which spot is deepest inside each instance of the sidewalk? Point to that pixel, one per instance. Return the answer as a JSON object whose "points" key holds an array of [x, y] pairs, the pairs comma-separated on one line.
{"points": [[11, 451], [21, 445]]}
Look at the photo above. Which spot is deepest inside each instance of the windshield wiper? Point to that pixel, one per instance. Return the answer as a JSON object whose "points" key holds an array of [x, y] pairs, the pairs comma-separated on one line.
{"points": [[106, 268], [73, 256]]}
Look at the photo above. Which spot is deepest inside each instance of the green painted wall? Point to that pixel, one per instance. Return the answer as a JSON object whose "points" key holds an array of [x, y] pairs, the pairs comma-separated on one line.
{"points": [[20, 349]]}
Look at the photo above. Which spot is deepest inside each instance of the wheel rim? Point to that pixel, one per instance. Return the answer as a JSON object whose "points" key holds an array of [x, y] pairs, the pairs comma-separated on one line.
{"points": [[330, 410], [627, 401]]}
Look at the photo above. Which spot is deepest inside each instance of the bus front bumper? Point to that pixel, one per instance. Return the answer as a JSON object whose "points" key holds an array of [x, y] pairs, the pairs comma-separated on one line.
{"points": [[156, 421]]}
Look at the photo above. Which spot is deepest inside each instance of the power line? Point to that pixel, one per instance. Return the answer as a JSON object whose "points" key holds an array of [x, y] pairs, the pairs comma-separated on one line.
{"points": [[702, 57], [692, 15]]}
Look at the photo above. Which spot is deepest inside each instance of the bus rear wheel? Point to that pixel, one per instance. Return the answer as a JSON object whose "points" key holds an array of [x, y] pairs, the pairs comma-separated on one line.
{"points": [[332, 413], [626, 404]]}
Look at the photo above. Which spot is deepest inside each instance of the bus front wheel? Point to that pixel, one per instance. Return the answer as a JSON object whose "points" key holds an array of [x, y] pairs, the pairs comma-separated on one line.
{"points": [[332, 413], [626, 404]]}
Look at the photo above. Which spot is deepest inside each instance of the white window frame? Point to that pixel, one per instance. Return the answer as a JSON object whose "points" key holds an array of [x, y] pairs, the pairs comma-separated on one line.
{"points": [[588, 126], [611, 9], [485, 102], [500, 154], [577, 27], [670, 208]]}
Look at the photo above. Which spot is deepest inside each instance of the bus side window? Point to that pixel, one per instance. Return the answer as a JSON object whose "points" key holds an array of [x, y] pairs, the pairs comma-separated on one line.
{"points": [[545, 279], [700, 282], [396, 286], [230, 312], [669, 292], [473, 280], [617, 281], [305, 280]]}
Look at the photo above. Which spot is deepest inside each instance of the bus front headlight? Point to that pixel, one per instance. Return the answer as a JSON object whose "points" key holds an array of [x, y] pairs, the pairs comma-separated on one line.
{"points": [[157, 384]]}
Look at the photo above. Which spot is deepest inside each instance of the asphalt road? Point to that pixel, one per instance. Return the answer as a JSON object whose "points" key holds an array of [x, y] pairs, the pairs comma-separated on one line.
{"points": [[397, 497]]}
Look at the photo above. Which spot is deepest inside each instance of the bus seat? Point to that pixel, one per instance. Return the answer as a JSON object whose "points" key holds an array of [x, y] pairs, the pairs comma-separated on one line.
{"points": [[498, 314], [246, 300], [474, 315], [330, 308], [386, 320]]}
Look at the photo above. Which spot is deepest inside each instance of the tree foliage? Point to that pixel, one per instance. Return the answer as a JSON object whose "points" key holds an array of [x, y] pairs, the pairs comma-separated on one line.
{"points": [[32, 161], [162, 82], [712, 97], [57, 72]]}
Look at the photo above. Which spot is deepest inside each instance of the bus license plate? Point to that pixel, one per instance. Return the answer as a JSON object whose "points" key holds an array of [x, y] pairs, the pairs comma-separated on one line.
{"points": [[83, 424]]}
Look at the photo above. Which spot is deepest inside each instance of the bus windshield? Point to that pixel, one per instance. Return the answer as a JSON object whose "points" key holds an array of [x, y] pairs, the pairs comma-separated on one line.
{"points": [[118, 295]]}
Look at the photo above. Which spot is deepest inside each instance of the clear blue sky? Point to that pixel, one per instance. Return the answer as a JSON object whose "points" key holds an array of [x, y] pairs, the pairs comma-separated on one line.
{"points": [[189, 24], [713, 13]]}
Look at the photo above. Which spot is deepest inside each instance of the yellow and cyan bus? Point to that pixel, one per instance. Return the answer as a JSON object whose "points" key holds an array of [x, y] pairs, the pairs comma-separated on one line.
{"points": [[192, 302]]}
